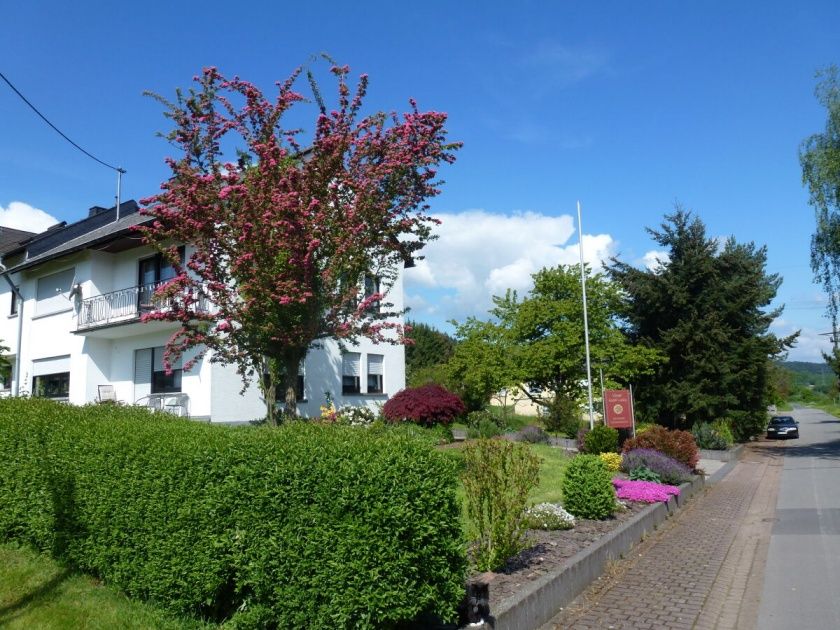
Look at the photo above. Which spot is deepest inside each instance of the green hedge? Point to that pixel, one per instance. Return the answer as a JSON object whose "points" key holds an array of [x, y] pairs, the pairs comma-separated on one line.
{"points": [[302, 526]]}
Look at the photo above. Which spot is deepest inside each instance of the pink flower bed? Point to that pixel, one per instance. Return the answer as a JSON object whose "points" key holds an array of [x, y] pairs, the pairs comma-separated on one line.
{"points": [[643, 491]]}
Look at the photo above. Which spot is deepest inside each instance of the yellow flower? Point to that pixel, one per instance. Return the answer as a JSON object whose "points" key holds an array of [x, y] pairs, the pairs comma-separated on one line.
{"points": [[612, 460]]}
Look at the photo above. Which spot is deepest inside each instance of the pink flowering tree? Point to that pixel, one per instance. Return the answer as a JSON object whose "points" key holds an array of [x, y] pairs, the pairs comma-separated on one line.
{"points": [[284, 233]]}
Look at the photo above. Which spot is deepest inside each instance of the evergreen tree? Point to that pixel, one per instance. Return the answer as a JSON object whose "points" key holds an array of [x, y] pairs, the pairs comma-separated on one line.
{"points": [[704, 309], [429, 350]]}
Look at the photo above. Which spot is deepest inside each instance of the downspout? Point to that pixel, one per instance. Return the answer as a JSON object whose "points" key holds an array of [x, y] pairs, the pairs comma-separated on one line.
{"points": [[16, 291]]}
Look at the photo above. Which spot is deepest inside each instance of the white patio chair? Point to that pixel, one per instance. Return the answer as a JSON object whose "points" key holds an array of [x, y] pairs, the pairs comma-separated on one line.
{"points": [[107, 393]]}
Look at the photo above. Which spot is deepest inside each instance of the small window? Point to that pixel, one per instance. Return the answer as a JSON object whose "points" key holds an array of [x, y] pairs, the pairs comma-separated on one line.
{"points": [[14, 307], [375, 373], [52, 385], [6, 378], [300, 391], [372, 286], [163, 383], [351, 373]]}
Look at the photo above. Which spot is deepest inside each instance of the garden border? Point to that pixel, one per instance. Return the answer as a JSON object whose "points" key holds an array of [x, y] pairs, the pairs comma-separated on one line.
{"points": [[538, 602], [729, 455]]}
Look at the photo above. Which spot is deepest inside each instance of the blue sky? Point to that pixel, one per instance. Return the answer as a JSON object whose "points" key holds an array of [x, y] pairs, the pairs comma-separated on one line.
{"points": [[629, 107]]}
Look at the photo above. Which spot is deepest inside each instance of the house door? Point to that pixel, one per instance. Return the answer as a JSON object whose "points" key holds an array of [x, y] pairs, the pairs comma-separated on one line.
{"points": [[151, 272]]}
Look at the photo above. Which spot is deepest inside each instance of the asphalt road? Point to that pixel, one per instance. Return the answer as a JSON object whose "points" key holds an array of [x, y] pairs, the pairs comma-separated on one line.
{"points": [[802, 574]]}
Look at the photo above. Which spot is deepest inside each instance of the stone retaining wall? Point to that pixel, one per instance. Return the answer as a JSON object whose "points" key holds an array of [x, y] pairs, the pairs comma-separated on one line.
{"points": [[538, 602]]}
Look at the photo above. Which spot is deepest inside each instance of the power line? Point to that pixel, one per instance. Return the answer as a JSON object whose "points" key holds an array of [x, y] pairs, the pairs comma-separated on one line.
{"points": [[44, 118]]}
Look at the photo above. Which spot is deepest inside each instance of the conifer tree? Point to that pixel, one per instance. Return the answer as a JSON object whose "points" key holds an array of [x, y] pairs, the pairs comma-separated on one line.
{"points": [[704, 308]]}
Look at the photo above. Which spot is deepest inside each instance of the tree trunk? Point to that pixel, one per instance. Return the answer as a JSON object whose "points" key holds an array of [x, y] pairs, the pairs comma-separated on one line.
{"points": [[291, 365], [268, 382]]}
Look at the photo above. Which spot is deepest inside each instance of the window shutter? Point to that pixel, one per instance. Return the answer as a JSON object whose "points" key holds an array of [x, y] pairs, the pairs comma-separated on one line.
{"points": [[350, 364], [53, 365], [158, 360], [375, 364], [142, 373]]}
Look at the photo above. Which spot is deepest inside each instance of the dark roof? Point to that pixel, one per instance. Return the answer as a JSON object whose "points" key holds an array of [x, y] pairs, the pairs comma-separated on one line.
{"points": [[100, 227], [11, 239]]}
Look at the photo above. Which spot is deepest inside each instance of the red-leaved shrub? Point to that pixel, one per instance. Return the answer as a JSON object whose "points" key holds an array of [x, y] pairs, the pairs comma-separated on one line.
{"points": [[677, 444], [427, 405]]}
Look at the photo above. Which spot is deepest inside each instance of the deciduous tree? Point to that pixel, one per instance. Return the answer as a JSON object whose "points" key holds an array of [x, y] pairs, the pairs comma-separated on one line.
{"points": [[284, 232], [819, 156], [537, 342]]}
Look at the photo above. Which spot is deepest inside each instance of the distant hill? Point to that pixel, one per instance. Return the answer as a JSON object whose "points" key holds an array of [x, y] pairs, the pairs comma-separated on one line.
{"points": [[805, 367], [814, 376]]}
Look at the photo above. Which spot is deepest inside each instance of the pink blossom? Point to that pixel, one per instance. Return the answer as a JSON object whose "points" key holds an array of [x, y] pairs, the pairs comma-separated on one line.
{"points": [[644, 491]]}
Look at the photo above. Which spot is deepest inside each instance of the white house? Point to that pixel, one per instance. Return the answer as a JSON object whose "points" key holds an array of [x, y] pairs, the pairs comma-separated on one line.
{"points": [[73, 325]]}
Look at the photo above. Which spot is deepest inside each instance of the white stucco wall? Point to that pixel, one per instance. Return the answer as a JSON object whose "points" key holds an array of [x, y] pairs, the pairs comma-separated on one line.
{"points": [[214, 390]]}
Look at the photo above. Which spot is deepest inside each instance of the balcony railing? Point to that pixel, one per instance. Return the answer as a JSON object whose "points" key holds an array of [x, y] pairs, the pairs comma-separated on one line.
{"points": [[126, 305]]}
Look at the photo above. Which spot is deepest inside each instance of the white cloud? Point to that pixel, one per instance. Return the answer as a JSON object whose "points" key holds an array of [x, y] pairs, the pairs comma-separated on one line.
{"points": [[809, 345], [21, 216], [654, 259], [479, 254]]}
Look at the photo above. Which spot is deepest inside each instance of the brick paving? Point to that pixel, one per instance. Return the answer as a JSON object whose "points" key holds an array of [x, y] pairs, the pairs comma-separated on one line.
{"points": [[703, 569]]}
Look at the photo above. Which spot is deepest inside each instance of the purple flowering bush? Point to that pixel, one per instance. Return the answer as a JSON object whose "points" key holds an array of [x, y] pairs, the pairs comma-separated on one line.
{"points": [[668, 469], [643, 491]]}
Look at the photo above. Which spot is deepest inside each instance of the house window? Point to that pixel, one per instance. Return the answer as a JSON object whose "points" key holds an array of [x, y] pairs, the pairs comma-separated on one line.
{"points": [[351, 373], [372, 286], [14, 307], [52, 385], [300, 384], [6, 378], [150, 377], [300, 391], [51, 377], [374, 374], [53, 294], [151, 272]]}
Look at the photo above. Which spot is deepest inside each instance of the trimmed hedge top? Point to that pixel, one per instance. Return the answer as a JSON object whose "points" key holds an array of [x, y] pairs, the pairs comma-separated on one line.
{"points": [[302, 526]]}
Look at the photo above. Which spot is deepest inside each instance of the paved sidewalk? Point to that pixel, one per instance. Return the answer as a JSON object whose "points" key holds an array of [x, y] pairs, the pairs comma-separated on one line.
{"points": [[703, 569]]}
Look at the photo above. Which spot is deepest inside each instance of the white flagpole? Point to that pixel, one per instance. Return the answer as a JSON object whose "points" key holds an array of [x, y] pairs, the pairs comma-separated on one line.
{"points": [[585, 323]]}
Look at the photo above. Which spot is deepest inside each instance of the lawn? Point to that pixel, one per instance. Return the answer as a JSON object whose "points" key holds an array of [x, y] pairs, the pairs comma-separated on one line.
{"points": [[553, 463], [36, 592]]}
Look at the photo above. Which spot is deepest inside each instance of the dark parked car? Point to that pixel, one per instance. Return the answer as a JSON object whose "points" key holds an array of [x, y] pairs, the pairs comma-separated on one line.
{"points": [[783, 427]]}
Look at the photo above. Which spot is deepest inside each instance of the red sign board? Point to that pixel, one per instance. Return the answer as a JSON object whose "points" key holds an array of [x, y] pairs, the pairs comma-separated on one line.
{"points": [[618, 408]]}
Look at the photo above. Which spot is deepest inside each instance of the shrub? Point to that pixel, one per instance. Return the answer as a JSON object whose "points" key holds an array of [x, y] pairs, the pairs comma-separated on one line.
{"points": [[587, 488], [486, 428], [715, 436], [305, 525], [748, 424], [611, 460], [581, 438], [723, 428], [355, 416], [677, 444], [644, 474], [427, 405], [642, 427], [475, 418], [548, 516], [601, 439], [668, 469], [534, 435], [498, 475], [644, 491], [563, 416]]}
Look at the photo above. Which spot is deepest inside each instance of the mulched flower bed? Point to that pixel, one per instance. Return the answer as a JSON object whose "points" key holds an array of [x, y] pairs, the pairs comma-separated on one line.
{"points": [[548, 551]]}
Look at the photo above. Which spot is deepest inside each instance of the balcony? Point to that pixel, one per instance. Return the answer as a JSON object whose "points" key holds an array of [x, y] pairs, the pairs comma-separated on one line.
{"points": [[99, 315]]}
